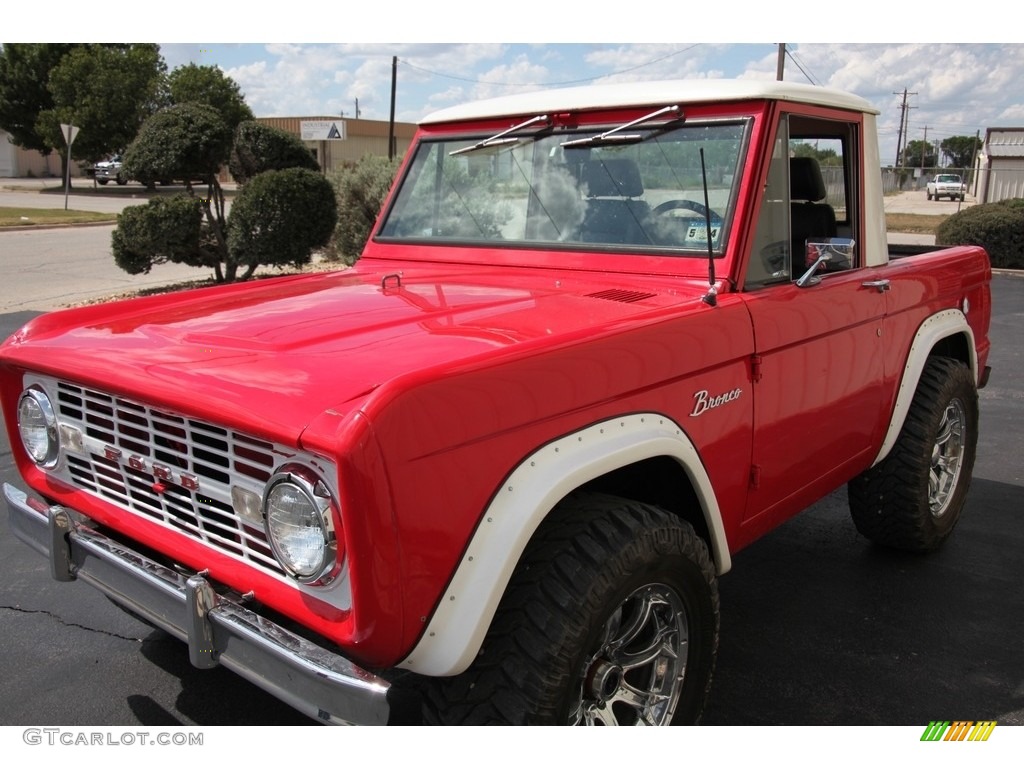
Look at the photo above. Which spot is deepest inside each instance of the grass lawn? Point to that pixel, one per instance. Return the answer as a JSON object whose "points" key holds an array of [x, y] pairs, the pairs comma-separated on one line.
{"points": [[15, 217], [913, 223]]}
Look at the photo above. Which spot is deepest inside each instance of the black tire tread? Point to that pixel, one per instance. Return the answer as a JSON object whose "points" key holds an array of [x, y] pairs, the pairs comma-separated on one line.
{"points": [[575, 555], [889, 502]]}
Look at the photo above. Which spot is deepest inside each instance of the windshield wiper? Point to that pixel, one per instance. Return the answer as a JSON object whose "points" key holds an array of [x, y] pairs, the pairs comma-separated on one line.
{"points": [[614, 137], [503, 137]]}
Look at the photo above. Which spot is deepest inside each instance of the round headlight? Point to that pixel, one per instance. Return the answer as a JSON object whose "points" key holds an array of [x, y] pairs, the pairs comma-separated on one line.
{"points": [[37, 424], [297, 516]]}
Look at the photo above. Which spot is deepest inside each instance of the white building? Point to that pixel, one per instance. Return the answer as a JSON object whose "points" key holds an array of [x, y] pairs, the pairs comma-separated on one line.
{"points": [[1000, 165]]}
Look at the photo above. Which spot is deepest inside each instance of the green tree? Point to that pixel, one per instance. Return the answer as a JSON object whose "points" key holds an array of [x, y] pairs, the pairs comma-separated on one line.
{"points": [[209, 85], [108, 91], [825, 157], [24, 77], [260, 148], [919, 154], [959, 150], [360, 188]]}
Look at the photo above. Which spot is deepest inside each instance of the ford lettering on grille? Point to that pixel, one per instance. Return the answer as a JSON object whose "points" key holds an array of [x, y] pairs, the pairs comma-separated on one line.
{"points": [[167, 467]]}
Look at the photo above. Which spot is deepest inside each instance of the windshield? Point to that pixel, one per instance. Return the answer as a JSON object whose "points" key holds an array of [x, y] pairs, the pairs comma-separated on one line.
{"points": [[644, 195]]}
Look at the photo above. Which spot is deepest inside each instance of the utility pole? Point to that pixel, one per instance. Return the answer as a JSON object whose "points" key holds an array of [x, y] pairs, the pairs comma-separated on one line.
{"points": [[358, 113], [904, 126], [781, 62], [924, 145]]}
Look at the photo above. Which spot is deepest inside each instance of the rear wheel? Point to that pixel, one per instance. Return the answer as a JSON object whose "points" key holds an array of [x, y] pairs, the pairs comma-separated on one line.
{"points": [[913, 498], [611, 618]]}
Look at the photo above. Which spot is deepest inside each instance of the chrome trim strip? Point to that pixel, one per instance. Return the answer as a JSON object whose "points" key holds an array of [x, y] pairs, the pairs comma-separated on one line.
{"points": [[323, 685]]}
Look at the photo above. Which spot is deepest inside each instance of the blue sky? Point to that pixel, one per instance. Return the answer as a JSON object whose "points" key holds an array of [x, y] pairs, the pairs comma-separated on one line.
{"points": [[285, 64]]}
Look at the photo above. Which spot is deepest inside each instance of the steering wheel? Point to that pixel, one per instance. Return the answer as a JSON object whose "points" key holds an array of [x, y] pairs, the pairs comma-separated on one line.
{"points": [[689, 205]]}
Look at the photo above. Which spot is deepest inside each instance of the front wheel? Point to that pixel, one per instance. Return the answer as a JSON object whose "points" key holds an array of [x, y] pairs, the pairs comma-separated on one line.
{"points": [[913, 498], [611, 618]]}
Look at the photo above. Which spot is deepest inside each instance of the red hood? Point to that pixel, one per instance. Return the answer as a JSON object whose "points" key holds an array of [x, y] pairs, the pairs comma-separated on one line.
{"points": [[288, 349]]}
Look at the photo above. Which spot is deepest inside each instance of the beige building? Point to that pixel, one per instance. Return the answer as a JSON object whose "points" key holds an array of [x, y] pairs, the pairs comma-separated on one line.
{"points": [[357, 137], [16, 162]]}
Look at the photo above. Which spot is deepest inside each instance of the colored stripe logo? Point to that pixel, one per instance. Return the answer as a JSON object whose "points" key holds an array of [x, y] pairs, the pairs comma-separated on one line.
{"points": [[958, 730]]}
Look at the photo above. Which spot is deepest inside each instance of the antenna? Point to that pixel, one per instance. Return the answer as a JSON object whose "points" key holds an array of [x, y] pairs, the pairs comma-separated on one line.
{"points": [[711, 297]]}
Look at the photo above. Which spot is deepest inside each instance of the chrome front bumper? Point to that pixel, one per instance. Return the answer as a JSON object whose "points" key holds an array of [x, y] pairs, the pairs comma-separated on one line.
{"points": [[218, 630]]}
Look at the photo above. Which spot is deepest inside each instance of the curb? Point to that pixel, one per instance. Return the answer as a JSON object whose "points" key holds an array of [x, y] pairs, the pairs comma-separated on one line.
{"points": [[35, 227]]}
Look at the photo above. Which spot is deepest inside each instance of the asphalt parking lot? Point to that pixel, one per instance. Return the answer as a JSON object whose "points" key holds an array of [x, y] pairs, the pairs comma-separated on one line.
{"points": [[818, 626]]}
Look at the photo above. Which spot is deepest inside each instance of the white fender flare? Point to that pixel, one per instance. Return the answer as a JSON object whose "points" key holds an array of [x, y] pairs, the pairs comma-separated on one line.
{"points": [[454, 634], [939, 326]]}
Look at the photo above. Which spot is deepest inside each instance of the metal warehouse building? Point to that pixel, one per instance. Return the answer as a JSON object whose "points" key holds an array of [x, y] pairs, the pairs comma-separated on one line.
{"points": [[1000, 165]]}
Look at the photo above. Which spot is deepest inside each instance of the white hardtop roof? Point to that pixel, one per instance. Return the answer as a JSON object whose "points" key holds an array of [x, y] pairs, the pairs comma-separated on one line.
{"points": [[653, 94]]}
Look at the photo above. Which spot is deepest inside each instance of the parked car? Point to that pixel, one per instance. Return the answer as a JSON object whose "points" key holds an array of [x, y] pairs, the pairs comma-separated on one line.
{"points": [[946, 185], [109, 170]]}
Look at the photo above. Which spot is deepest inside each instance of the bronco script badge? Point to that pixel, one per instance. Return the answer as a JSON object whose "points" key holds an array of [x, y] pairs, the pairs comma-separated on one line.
{"points": [[702, 403]]}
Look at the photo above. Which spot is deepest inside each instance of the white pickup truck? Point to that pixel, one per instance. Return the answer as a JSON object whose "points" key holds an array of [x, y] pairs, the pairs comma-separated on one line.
{"points": [[946, 185]]}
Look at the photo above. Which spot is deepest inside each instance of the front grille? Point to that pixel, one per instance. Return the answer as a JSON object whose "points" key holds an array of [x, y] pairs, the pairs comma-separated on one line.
{"points": [[170, 468]]}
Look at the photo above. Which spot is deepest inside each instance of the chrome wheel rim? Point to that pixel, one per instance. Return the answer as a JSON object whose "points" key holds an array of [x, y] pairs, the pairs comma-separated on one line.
{"points": [[636, 674], [947, 458]]}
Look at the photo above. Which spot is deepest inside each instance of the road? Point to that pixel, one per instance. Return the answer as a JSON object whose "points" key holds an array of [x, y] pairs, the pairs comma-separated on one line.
{"points": [[61, 266], [57, 267], [818, 626]]}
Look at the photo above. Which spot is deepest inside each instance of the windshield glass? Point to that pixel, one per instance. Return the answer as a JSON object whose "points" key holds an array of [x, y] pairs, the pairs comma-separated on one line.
{"points": [[646, 194]]}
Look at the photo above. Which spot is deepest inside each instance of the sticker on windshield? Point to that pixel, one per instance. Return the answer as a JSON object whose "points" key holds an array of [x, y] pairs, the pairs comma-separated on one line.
{"points": [[696, 235]]}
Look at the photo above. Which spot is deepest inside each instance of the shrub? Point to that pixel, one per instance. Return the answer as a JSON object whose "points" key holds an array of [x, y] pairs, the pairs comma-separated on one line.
{"points": [[361, 188], [165, 229], [260, 148], [279, 218], [186, 142], [997, 227]]}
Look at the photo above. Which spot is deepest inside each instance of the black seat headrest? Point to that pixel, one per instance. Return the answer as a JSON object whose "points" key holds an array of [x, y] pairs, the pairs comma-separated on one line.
{"points": [[805, 181]]}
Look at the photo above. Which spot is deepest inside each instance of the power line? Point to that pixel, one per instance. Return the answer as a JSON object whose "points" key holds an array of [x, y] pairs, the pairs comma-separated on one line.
{"points": [[799, 65]]}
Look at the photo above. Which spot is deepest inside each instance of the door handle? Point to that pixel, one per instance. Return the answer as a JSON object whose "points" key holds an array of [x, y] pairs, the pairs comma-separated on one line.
{"points": [[881, 285]]}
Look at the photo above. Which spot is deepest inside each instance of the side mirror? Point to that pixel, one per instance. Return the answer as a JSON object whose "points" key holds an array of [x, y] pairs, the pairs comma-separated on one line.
{"points": [[840, 251]]}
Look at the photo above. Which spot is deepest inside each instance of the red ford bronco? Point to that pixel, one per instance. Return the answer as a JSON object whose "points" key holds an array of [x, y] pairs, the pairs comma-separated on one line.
{"points": [[600, 340]]}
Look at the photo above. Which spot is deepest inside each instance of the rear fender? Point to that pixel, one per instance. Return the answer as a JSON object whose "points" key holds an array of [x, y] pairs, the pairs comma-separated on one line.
{"points": [[942, 325]]}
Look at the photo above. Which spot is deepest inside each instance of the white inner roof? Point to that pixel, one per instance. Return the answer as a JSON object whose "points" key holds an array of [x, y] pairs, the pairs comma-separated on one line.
{"points": [[654, 93]]}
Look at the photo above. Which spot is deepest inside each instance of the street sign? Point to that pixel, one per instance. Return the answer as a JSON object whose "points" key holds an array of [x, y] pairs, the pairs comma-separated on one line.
{"points": [[323, 130], [69, 132]]}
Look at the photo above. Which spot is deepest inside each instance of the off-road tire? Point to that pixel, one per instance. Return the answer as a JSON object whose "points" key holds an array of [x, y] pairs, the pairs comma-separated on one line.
{"points": [[912, 499], [591, 560]]}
